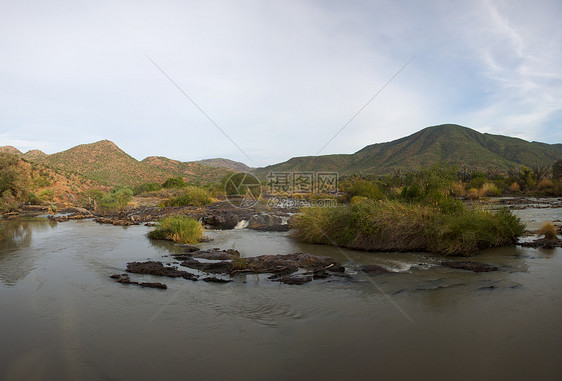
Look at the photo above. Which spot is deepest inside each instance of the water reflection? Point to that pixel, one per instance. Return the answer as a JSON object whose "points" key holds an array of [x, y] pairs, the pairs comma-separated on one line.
{"points": [[17, 235], [165, 246]]}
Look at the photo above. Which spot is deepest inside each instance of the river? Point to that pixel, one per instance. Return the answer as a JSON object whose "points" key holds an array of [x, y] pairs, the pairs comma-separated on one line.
{"points": [[63, 318]]}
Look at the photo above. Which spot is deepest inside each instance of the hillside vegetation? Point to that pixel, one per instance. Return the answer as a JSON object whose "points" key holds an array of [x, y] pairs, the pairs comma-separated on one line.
{"points": [[105, 163], [192, 172], [449, 143], [22, 181]]}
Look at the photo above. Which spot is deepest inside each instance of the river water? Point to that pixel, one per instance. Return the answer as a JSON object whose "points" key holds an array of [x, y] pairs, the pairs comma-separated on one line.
{"points": [[62, 318]]}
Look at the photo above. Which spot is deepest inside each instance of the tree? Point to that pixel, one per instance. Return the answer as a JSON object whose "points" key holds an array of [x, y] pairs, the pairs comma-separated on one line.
{"points": [[541, 172], [174, 182], [557, 169], [14, 181], [526, 178]]}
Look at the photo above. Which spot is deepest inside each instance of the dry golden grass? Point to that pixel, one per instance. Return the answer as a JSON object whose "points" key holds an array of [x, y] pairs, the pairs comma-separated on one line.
{"points": [[548, 230]]}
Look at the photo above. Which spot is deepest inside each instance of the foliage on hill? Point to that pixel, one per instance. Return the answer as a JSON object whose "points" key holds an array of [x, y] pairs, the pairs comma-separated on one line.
{"points": [[193, 172], [25, 182], [225, 163], [105, 163], [447, 143]]}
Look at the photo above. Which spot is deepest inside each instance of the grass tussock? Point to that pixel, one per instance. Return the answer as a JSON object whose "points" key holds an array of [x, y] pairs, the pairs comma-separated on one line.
{"points": [[548, 230], [393, 225], [181, 229]]}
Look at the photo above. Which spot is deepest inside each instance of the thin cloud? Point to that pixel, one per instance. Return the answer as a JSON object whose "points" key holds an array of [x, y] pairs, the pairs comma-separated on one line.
{"points": [[279, 77]]}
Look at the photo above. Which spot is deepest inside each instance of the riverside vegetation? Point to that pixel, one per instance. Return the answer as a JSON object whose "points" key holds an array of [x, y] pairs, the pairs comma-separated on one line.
{"points": [[181, 229], [423, 215]]}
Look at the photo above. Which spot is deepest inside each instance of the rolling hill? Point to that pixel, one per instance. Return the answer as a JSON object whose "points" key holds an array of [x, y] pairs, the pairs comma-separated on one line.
{"points": [[448, 143], [192, 171], [105, 163], [225, 163], [32, 155]]}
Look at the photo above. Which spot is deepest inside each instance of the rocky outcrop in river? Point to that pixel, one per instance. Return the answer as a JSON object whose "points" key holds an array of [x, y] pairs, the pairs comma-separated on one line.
{"points": [[294, 269]]}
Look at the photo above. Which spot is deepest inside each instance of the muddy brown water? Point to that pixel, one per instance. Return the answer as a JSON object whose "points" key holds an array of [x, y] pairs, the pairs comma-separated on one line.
{"points": [[62, 318]]}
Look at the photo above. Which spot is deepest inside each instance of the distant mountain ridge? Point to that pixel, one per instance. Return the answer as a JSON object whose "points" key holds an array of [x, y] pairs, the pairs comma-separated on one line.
{"points": [[105, 163], [449, 143], [192, 171], [225, 163], [30, 155]]}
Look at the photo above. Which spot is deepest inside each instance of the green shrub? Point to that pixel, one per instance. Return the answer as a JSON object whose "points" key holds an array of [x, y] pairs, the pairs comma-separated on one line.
{"points": [[33, 199], [190, 196], [117, 199], [146, 187], [90, 199], [46, 195], [362, 188], [178, 229], [174, 182], [399, 226]]}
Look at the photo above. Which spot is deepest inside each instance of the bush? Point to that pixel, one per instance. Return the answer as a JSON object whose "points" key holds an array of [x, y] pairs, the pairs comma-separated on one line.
{"points": [[362, 188], [117, 199], [514, 187], [546, 187], [191, 196], [181, 229], [548, 230], [91, 199], [146, 187], [33, 199], [174, 182], [47, 195], [490, 189], [398, 226]]}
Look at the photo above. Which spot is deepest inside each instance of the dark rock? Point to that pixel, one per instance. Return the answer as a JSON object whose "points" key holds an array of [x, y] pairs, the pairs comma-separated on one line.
{"points": [[293, 280], [189, 248], [76, 210], [222, 267], [213, 279], [153, 285], [470, 266], [543, 243], [116, 221], [275, 263], [216, 254], [268, 222], [491, 287], [374, 269], [124, 279], [157, 268]]}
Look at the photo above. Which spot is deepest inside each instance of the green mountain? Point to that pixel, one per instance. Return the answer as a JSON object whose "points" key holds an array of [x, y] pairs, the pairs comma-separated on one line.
{"points": [[447, 143]]}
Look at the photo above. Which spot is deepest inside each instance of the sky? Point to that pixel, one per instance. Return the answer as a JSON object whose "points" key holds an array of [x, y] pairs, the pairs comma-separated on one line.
{"points": [[262, 81]]}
